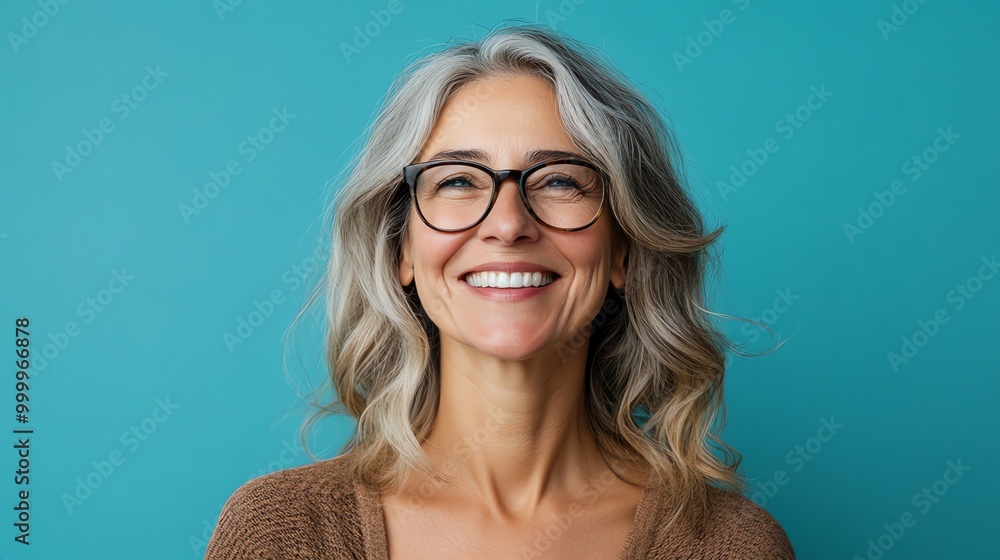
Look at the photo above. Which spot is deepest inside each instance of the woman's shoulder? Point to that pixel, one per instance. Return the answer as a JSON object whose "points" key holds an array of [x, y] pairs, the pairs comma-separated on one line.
{"points": [[744, 523], [291, 513], [322, 478], [733, 527]]}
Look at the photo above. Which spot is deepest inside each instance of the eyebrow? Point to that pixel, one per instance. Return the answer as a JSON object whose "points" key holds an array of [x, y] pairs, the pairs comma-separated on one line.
{"points": [[530, 158]]}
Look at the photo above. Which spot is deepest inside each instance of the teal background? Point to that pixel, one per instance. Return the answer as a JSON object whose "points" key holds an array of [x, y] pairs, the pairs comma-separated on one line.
{"points": [[237, 416]]}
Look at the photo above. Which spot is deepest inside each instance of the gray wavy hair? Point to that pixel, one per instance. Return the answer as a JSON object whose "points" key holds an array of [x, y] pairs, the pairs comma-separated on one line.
{"points": [[655, 362]]}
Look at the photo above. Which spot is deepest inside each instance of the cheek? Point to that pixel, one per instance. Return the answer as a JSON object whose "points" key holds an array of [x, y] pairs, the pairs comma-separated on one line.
{"points": [[431, 251], [593, 253]]}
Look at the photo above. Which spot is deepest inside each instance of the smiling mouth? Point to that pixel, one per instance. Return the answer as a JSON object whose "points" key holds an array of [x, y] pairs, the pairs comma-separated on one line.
{"points": [[512, 280]]}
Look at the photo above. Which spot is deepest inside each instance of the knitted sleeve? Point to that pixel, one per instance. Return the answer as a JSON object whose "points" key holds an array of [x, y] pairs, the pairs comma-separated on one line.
{"points": [[735, 528], [263, 521], [760, 536]]}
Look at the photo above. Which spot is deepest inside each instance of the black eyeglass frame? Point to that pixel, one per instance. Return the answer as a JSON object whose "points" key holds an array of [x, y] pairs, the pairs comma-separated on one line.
{"points": [[412, 172]]}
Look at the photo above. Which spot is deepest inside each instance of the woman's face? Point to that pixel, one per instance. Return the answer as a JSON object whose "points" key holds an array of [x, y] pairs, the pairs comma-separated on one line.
{"points": [[506, 119]]}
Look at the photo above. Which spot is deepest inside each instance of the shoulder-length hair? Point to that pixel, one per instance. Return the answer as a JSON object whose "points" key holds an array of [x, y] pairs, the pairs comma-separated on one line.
{"points": [[655, 362]]}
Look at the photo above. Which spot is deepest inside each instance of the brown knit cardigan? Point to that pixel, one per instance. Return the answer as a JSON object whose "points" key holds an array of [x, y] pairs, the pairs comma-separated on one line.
{"points": [[317, 512]]}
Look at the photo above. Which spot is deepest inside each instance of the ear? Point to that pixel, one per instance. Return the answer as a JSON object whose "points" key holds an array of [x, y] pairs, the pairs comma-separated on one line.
{"points": [[619, 259], [405, 264]]}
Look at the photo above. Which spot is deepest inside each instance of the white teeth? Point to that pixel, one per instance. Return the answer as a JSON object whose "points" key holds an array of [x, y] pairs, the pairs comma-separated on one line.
{"points": [[495, 279]]}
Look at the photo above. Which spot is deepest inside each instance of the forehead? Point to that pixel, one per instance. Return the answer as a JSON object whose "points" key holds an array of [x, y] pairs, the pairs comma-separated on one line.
{"points": [[505, 118]]}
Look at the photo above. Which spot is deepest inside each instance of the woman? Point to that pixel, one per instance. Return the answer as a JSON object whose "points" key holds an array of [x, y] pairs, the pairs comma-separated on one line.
{"points": [[543, 380]]}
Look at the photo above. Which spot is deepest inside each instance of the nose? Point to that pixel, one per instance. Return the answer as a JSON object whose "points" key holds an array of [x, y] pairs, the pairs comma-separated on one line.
{"points": [[508, 220]]}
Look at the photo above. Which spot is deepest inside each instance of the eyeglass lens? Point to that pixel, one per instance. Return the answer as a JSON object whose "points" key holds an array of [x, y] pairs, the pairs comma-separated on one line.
{"points": [[455, 196]]}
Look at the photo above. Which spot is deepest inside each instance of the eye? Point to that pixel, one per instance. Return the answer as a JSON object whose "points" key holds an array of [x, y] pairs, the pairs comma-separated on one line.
{"points": [[561, 181], [456, 182], [556, 182]]}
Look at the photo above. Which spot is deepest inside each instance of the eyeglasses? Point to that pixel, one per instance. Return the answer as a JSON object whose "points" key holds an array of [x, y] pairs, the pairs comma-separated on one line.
{"points": [[455, 195]]}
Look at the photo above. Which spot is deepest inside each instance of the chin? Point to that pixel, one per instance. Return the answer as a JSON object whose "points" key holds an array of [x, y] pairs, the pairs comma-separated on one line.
{"points": [[509, 348]]}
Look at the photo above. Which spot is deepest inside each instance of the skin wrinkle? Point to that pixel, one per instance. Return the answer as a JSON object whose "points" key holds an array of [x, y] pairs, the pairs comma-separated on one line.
{"points": [[383, 349], [503, 354]]}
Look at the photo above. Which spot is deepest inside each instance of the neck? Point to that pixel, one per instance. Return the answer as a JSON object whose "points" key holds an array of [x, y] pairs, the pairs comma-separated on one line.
{"points": [[513, 433]]}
